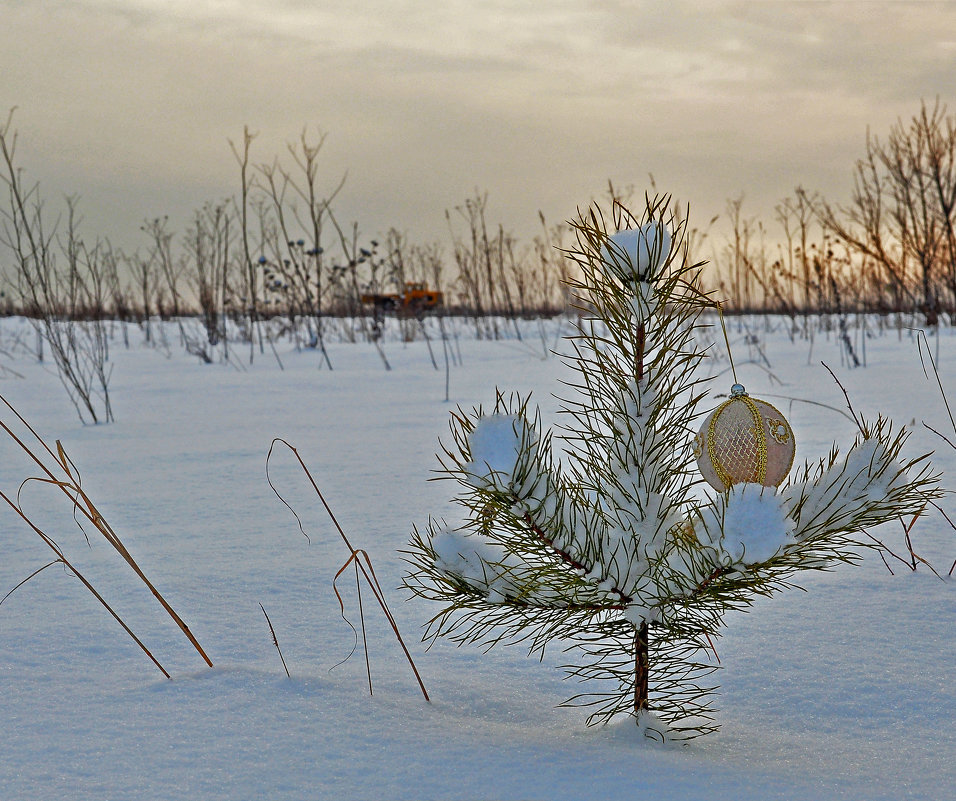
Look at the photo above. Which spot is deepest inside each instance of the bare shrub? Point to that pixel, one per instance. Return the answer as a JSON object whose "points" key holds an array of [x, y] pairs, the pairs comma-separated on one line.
{"points": [[901, 215], [60, 282]]}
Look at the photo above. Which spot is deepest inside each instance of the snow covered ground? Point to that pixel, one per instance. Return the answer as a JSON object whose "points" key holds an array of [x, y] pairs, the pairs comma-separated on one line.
{"points": [[845, 691]]}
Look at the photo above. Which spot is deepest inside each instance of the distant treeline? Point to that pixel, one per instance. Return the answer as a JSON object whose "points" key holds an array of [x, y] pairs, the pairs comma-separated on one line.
{"points": [[278, 249]]}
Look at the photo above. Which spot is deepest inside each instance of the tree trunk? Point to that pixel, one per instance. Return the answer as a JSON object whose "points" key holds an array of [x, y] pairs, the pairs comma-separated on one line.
{"points": [[641, 669], [641, 661]]}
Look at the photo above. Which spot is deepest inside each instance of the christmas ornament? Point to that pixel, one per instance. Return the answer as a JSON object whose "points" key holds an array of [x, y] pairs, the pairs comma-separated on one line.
{"points": [[744, 440]]}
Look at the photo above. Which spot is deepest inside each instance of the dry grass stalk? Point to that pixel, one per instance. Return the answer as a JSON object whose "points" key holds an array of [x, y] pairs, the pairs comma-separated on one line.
{"points": [[358, 558], [68, 481], [34, 573], [61, 559]]}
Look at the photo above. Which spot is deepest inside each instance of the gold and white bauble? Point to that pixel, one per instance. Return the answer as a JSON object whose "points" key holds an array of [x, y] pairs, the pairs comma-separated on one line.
{"points": [[744, 440]]}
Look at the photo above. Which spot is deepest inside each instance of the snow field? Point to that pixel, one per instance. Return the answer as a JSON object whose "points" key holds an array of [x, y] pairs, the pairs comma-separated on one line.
{"points": [[841, 692]]}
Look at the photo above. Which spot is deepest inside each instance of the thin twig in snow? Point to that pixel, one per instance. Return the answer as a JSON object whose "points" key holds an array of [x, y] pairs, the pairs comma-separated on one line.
{"points": [[364, 568], [275, 640]]}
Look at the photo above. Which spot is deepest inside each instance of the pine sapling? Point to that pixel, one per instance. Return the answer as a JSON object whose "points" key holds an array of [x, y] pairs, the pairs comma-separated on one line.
{"points": [[614, 547]]}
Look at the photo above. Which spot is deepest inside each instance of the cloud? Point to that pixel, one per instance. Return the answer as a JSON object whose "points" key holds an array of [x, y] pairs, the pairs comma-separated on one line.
{"points": [[132, 103]]}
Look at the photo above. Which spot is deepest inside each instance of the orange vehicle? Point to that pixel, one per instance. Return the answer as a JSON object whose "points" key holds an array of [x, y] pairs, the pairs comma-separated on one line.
{"points": [[416, 298]]}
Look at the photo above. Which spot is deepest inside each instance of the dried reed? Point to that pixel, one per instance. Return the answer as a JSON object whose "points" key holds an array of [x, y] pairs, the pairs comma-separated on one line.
{"points": [[64, 475], [358, 559]]}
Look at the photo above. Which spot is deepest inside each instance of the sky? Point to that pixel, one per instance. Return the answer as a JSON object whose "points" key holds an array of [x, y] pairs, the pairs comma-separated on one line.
{"points": [[132, 105]]}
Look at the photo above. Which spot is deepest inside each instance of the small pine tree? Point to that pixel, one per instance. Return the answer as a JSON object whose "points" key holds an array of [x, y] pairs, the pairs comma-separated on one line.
{"points": [[616, 550]]}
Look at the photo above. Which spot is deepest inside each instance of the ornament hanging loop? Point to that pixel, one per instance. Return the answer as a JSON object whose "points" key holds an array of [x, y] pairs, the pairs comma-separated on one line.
{"points": [[730, 355]]}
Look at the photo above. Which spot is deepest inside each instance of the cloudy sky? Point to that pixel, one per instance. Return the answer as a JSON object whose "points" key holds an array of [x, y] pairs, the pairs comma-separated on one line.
{"points": [[131, 103]]}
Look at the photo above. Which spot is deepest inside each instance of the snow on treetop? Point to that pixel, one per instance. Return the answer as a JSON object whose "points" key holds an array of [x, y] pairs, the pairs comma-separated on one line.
{"points": [[637, 252]]}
